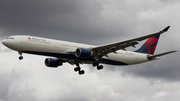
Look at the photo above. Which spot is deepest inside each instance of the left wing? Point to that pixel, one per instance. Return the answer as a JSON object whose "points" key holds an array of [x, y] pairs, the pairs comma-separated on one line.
{"points": [[103, 50]]}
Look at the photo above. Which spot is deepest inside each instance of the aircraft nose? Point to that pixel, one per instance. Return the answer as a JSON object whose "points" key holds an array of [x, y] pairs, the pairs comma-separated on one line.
{"points": [[10, 43], [5, 42]]}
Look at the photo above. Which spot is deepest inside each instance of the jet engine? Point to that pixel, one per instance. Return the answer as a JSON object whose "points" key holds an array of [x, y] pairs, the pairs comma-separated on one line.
{"points": [[83, 53], [52, 62]]}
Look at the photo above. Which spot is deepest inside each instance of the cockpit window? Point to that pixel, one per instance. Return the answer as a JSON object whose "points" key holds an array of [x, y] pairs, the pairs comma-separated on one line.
{"points": [[10, 38]]}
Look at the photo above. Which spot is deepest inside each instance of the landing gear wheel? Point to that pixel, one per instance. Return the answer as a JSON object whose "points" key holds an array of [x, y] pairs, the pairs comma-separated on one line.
{"points": [[21, 57], [95, 64], [81, 72], [100, 67], [77, 69]]}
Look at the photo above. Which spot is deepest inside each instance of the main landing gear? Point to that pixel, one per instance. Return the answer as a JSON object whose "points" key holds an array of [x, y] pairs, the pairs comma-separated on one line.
{"points": [[20, 57], [96, 64], [78, 69]]}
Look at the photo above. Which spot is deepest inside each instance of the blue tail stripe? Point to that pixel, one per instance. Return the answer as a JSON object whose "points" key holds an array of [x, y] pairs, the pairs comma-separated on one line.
{"points": [[143, 49]]}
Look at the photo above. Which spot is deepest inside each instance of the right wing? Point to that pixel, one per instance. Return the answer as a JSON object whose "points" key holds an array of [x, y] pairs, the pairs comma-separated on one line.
{"points": [[103, 50]]}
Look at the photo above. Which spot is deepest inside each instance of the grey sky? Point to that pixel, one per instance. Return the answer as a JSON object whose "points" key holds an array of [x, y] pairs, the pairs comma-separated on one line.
{"points": [[93, 22]]}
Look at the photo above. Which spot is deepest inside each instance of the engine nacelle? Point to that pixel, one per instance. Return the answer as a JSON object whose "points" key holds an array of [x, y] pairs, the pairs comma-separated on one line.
{"points": [[52, 62], [83, 53]]}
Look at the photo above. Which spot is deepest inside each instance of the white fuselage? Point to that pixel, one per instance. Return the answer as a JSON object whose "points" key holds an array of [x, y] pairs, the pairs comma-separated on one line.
{"points": [[61, 49]]}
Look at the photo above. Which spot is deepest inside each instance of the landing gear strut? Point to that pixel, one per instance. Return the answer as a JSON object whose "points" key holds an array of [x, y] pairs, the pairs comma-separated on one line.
{"points": [[78, 69], [20, 57]]}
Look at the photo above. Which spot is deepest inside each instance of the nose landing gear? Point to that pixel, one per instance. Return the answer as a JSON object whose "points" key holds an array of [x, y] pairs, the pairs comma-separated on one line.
{"points": [[20, 57]]}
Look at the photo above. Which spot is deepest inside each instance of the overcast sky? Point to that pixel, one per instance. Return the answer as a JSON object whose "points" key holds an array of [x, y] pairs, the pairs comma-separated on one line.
{"points": [[94, 22]]}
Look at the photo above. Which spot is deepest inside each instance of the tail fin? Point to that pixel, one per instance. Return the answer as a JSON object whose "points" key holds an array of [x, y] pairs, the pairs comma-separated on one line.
{"points": [[149, 46]]}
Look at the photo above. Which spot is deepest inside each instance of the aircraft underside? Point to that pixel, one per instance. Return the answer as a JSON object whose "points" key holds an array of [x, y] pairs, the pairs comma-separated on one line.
{"points": [[73, 60]]}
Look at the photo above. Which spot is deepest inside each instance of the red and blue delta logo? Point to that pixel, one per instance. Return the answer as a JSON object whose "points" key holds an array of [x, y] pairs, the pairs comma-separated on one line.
{"points": [[36, 39]]}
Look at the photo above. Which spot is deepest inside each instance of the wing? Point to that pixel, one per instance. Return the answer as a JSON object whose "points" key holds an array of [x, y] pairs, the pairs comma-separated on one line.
{"points": [[103, 50]]}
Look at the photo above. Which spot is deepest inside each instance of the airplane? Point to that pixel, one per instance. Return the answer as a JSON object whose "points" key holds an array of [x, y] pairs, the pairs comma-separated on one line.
{"points": [[60, 52]]}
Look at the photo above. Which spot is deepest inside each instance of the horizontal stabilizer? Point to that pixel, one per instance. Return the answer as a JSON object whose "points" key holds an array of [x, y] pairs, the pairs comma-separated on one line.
{"points": [[158, 55]]}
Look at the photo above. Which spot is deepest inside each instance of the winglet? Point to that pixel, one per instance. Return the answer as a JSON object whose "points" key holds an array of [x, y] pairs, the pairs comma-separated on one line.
{"points": [[166, 29]]}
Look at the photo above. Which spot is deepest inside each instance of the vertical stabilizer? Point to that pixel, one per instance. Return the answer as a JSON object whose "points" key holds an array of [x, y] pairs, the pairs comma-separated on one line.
{"points": [[149, 46]]}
